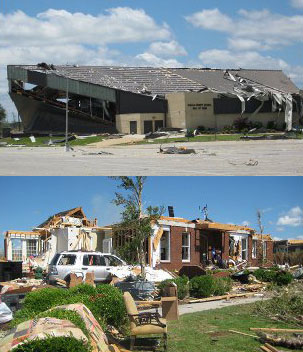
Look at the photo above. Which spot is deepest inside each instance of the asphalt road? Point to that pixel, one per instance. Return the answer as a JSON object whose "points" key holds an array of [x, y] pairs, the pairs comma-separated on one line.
{"points": [[276, 157]]}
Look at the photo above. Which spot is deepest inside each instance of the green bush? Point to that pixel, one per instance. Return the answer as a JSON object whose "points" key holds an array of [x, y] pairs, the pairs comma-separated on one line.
{"points": [[182, 283], [105, 302], [190, 132], [271, 125], [222, 286], [242, 124], [54, 344], [201, 286], [273, 275]]}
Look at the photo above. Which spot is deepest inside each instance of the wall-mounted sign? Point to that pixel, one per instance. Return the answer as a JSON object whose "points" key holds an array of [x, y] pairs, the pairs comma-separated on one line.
{"points": [[199, 106]]}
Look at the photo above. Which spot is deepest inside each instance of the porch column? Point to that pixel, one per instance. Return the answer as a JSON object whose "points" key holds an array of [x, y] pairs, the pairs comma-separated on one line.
{"points": [[9, 249]]}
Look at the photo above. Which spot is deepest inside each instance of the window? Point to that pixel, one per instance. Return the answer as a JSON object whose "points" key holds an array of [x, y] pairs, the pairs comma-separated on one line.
{"points": [[264, 249], [165, 247], [67, 259], [244, 248], [31, 247], [90, 260], [112, 261], [185, 247], [254, 249], [17, 254]]}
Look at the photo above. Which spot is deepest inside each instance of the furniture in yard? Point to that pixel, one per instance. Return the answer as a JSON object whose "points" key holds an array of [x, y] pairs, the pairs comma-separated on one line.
{"points": [[170, 309], [146, 323]]}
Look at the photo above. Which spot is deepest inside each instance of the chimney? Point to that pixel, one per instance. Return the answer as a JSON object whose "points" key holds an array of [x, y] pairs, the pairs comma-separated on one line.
{"points": [[171, 213]]}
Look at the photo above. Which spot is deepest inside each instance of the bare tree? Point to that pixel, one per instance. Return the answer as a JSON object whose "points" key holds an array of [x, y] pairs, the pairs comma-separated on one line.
{"points": [[136, 221]]}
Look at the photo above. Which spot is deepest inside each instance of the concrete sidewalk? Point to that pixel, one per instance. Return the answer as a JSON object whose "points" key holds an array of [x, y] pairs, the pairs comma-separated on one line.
{"points": [[200, 307]]}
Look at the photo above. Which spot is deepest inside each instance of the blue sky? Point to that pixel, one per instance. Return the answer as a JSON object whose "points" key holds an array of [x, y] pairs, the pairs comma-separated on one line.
{"points": [[208, 33], [27, 201]]}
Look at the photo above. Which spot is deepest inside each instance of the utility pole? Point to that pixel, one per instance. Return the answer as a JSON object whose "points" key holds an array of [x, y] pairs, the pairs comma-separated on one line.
{"points": [[66, 119]]}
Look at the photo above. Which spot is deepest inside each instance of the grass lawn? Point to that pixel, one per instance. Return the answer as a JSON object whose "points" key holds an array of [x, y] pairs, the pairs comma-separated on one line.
{"points": [[208, 331], [42, 141]]}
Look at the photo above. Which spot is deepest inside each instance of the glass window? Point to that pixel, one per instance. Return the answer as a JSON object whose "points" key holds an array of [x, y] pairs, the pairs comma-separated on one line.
{"points": [[67, 259], [165, 246], [17, 254], [185, 246], [31, 247], [112, 261], [244, 248], [93, 259], [254, 249]]}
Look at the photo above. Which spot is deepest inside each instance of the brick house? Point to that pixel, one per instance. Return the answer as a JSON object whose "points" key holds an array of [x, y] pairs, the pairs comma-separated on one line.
{"points": [[177, 242]]}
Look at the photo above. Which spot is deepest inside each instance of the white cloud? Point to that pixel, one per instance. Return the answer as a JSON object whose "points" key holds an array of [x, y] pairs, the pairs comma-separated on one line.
{"points": [[294, 217], [280, 229], [249, 59], [60, 27], [269, 29], [275, 238], [300, 237], [298, 4], [211, 19], [153, 60], [167, 49], [245, 223], [246, 44]]}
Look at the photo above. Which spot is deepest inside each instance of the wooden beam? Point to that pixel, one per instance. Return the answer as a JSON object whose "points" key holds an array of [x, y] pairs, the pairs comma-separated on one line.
{"points": [[277, 330], [243, 333], [217, 298]]}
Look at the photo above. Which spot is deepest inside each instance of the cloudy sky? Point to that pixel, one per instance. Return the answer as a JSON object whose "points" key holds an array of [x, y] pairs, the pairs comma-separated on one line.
{"points": [[230, 200], [204, 33]]}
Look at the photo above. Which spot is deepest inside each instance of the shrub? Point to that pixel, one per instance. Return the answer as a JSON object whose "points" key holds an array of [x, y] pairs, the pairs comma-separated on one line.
{"points": [[201, 129], [190, 133], [256, 124], [105, 302], [182, 283], [222, 285], [201, 286], [273, 275], [54, 344], [271, 125], [241, 124]]}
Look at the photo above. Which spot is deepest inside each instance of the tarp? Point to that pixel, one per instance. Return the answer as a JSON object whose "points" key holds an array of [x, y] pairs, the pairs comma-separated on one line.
{"points": [[40, 329], [5, 313], [98, 338]]}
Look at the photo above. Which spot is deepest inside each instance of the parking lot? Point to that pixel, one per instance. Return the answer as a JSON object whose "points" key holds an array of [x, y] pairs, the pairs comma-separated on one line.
{"points": [[275, 157]]}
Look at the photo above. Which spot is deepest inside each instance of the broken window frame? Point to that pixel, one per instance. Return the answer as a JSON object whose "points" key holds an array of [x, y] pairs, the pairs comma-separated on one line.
{"points": [[244, 250], [31, 247], [165, 234], [186, 246], [254, 249], [264, 249]]}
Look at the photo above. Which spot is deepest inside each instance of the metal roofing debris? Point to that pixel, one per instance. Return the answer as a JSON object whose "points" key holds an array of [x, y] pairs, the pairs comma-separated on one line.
{"points": [[160, 81]]}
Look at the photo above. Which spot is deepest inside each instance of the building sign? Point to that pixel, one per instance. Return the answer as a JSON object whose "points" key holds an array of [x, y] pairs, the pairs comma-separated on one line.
{"points": [[199, 106]]}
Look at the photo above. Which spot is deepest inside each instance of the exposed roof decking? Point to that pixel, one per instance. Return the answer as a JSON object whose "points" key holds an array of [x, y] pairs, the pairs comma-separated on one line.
{"points": [[161, 81]]}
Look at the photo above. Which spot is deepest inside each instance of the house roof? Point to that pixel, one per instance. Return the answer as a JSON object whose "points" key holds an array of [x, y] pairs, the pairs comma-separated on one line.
{"points": [[293, 242], [161, 81], [263, 236], [53, 219], [207, 225]]}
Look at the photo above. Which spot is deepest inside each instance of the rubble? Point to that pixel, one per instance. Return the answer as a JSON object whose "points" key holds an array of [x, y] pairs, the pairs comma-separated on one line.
{"points": [[176, 150]]}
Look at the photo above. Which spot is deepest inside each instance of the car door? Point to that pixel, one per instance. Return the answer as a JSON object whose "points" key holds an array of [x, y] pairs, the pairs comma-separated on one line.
{"points": [[95, 263]]}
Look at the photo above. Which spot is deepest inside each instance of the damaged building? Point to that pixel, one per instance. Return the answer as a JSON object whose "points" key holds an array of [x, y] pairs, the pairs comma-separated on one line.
{"points": [[67, 230], [177, 243], [143, 99]]}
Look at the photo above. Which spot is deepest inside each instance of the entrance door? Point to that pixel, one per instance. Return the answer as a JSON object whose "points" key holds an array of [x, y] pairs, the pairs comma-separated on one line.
{"points": [[203, 249], [133, 127], [148, 126], [158, 124]]}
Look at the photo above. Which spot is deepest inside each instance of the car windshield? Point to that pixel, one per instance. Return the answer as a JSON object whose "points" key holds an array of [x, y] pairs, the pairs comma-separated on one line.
{"points": [[90, 259], [112, 261], [67, 259], [55, 259]]}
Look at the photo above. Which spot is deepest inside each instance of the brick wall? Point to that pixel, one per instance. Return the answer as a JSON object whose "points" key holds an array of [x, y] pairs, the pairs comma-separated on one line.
{"points": [[176, 248], [268, 261]]}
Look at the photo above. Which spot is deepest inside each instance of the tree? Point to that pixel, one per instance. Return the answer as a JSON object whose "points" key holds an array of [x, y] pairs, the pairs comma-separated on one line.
{"points": [[136, 222]]}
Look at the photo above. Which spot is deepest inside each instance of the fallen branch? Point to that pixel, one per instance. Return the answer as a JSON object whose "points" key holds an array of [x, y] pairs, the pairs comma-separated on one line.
{"points": [[276, 330]]}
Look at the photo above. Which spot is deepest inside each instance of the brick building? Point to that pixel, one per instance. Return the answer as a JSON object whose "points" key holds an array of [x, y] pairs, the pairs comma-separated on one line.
{"points": [[177, 242]]}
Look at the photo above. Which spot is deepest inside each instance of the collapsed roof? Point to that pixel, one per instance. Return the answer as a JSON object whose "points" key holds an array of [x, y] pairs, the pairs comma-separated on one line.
{"points": [[160, 81]]}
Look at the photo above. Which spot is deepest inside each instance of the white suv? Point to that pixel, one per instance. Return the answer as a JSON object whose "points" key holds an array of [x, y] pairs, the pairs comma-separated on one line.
{"points": [[67, 262]]}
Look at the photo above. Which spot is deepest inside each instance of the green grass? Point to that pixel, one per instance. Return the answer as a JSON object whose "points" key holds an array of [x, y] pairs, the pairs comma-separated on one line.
{"points": [[208, 331], [42, 141]]}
